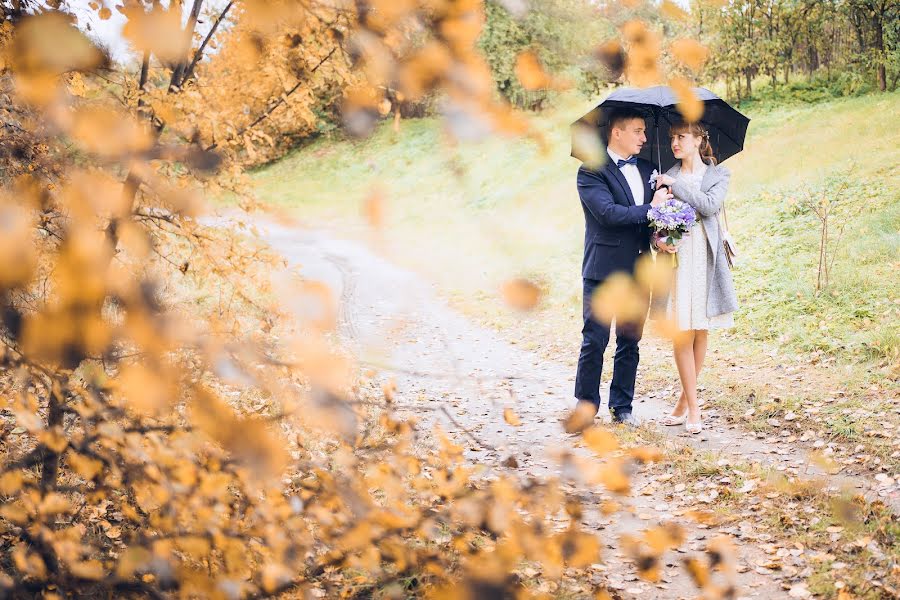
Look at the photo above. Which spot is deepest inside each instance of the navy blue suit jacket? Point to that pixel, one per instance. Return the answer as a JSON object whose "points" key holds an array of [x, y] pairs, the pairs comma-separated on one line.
{"points": [[616, 230]]}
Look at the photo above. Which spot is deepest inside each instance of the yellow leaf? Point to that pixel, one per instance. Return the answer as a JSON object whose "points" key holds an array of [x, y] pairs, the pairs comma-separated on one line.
{"points": [[619, 298], [531, 74], [53, 439], [690, 107], [698, 571], [664, 537], [91, 569], [601, 441], [274, 576], [29, 420], [158, 31], [109, 133], [655, 277], [11, 482], [580, 418], [702, 516], [690, 52], [14, 513], [613, 476], [673, 11], [646, 454], [511, 417], [195, 547], [579, 549], [54, 504], [642, 63], [143, 390], [132, 560], [521, 294], [373, 208], [85, 466]]}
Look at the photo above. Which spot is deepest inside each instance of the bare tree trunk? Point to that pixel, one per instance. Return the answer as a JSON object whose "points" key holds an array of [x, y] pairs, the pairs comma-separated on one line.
{"points": [[178, 72], [821, 256], [50, 462], [132, 181], [878, 25], [825, 249]]}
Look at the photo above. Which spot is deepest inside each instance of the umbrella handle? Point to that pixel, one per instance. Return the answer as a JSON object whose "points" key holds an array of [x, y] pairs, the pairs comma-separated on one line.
{"points": [[656, 126]]}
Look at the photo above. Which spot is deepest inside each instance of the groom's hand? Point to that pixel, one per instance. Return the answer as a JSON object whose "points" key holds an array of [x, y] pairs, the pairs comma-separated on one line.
{"points": [[661, 195]]}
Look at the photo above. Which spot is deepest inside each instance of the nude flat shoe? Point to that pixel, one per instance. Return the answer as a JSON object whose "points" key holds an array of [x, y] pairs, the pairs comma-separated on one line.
{"points": [[673, 421], [693, 428]]}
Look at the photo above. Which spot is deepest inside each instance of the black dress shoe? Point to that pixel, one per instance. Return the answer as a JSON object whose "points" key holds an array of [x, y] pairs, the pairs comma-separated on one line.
{"points": [[626, 419]]}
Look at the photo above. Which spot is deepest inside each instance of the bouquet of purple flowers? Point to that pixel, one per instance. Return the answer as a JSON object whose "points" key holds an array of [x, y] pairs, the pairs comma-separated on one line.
{"points": [[671, 220]]}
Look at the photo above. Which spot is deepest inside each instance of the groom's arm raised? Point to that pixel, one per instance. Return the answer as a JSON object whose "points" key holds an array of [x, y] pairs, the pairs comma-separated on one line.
{"points": [[596, 196]]}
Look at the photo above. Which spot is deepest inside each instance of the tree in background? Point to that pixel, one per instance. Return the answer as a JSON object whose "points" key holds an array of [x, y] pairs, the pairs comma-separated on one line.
{"points": [[561, 34], [853, 41]]}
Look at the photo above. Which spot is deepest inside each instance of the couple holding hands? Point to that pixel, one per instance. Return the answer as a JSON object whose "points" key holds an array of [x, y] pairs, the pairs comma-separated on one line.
{"points": [[618, 199]]}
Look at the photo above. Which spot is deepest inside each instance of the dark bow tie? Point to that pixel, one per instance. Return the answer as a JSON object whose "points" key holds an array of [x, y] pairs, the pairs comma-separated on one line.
{"points": [[627, 161]]}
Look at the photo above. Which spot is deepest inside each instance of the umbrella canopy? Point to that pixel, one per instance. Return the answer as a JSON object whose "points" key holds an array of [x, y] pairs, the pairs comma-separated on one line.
{"points": [[727, 127]]}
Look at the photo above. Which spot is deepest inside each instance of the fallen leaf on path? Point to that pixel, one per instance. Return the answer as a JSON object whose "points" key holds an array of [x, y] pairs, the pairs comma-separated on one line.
{"points": [[511, 462], [511, 417]]}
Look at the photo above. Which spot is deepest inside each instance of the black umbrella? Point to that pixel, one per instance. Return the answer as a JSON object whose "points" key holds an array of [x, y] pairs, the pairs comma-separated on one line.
{"points": [[727, 127]]}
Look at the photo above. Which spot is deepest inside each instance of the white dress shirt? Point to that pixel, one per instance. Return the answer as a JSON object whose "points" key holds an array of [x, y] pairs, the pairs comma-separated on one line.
{"points": [[632, 176]]}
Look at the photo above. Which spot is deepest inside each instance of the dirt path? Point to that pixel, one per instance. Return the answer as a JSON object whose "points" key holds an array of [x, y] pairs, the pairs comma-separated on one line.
{"points": [[451, 372]]}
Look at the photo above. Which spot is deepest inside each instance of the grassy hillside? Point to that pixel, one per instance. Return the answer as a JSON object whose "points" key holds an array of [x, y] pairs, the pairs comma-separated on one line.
{"points": [[471, 216]]}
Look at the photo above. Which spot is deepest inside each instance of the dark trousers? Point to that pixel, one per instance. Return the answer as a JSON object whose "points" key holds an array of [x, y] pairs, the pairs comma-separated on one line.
{"points": [[595, 338]]}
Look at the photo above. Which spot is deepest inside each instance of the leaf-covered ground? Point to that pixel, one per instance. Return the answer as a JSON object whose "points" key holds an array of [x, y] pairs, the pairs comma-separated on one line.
{"points": [[801, 397], [789, 519]]}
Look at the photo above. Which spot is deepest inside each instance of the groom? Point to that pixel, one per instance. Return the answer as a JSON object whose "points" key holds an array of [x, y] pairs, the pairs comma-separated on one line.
{"points": [[615, 199]]}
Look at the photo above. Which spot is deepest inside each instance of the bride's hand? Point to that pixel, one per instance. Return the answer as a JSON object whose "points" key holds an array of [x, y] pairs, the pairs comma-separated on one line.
{"points": [[664, 180], [664, 247]]}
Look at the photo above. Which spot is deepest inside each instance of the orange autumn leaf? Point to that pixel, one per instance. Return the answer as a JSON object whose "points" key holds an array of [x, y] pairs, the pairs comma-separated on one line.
{"points": [[580, 418], [511, 417], [643, 54], [691, 53], [619, 298], [664, 537], [157, 31], [614, 478], [646, 454], [373, 208], [600, 440], [672, 10], [689, 105], [521, 294], [530, 72]]}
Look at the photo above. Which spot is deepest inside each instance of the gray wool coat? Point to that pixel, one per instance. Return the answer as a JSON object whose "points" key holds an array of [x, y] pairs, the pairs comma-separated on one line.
{"points": [[721, 297]]}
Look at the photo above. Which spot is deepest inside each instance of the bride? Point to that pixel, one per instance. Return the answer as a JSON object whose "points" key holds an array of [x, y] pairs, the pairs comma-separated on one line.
{"points": [[703, 295]]}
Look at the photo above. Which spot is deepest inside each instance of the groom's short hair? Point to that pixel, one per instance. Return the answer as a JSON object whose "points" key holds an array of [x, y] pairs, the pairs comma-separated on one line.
{"points": [[618, 116]]}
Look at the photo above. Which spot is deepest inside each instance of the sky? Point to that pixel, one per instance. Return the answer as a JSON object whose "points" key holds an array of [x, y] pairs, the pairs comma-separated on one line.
{"points": [[109, 32]]}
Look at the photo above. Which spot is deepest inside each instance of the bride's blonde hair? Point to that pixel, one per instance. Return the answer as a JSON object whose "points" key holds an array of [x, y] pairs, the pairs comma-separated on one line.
{"points": [[697, 130]]}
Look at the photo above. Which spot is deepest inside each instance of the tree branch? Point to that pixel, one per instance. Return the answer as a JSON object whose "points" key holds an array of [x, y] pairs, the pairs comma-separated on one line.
{"points": [[281, 100], [189, 72]]}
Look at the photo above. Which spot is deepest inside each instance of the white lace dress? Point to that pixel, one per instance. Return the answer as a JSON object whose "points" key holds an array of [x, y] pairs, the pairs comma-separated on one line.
{"points": [[687, 302]]}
